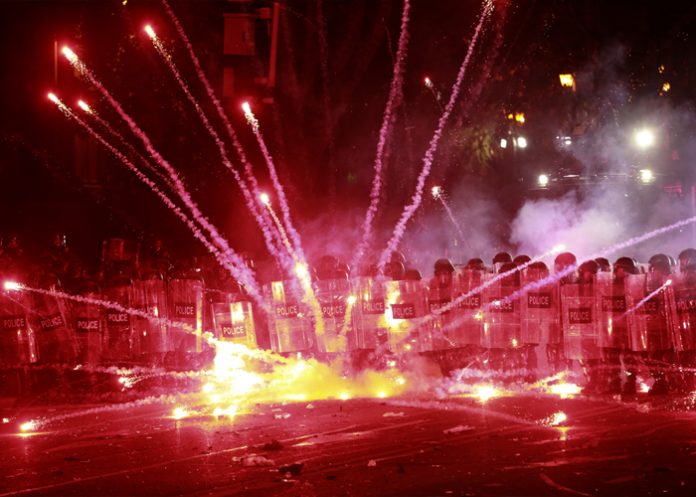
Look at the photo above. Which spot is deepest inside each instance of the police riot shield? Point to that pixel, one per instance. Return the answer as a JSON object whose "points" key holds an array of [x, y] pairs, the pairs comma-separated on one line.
{"points": [[685, 332], [152, 335], [539, 308], [579, 321], [614, 328], [653, 314], [405, 305], [54, 338], [469, 302], [89, 327], [290, 326], [234, 322], [501, 316], [336, 313], [119, 343], [370, 329], [185, 306], [17, 341], [442, 320]]}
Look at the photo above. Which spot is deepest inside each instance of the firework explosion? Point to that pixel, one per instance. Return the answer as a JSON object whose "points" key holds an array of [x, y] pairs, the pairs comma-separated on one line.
{"points": [[241, 375]]}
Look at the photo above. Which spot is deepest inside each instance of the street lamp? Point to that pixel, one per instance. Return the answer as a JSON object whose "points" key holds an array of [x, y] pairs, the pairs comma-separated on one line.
{"points": [[644, 138]]}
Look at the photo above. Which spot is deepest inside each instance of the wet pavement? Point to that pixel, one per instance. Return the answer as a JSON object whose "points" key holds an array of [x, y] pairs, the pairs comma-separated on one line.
{"points": [[391, 447]]}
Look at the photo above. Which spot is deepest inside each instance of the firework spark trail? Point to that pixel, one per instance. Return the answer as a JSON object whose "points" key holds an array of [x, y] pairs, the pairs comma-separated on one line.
{"points": [[108, 304], [250, 200], [474, 93], [249, 173], [643, 301], [282, 199], [454, 221], [300, 271], [395, 96], [461, 298], [249, 284], [122, 140], [554, 278], [237, 261], [410, 209], [602, 253], [283, 234]]}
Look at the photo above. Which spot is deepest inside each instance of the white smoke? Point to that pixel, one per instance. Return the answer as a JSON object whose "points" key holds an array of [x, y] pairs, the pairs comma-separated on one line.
{"points": [[609, 204]]}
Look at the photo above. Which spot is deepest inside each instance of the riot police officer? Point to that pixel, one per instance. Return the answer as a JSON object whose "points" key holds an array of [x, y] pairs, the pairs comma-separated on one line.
{"points": [[564, 264]]}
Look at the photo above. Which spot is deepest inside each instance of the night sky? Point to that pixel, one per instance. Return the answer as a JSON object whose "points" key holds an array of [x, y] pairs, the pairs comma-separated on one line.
{"points": [[324, 155]]}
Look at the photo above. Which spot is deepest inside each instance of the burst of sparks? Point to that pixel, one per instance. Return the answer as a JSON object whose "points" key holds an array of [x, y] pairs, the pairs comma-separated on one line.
{"points": [[28, 426], [486, 392], [565, 390], [180, 413], [557, 419]]}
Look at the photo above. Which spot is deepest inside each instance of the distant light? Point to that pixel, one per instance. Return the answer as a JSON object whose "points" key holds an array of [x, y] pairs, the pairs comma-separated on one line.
{"points": [[522, 142], [12, 286], [428, 82], [558, 248], [352, 299], [503, 143], [150, 32], [543, 180], [567, 80], [668, 282], [511, 116], [661, 68], [666, 87], [519, 117], [646, 176], [436, 191], [565, 140], [644, 138], [344, 396], [265, 199], [83, 105]]}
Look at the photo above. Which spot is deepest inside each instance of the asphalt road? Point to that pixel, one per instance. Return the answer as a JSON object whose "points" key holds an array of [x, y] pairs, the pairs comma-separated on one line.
{"points": [[392, 447]]}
